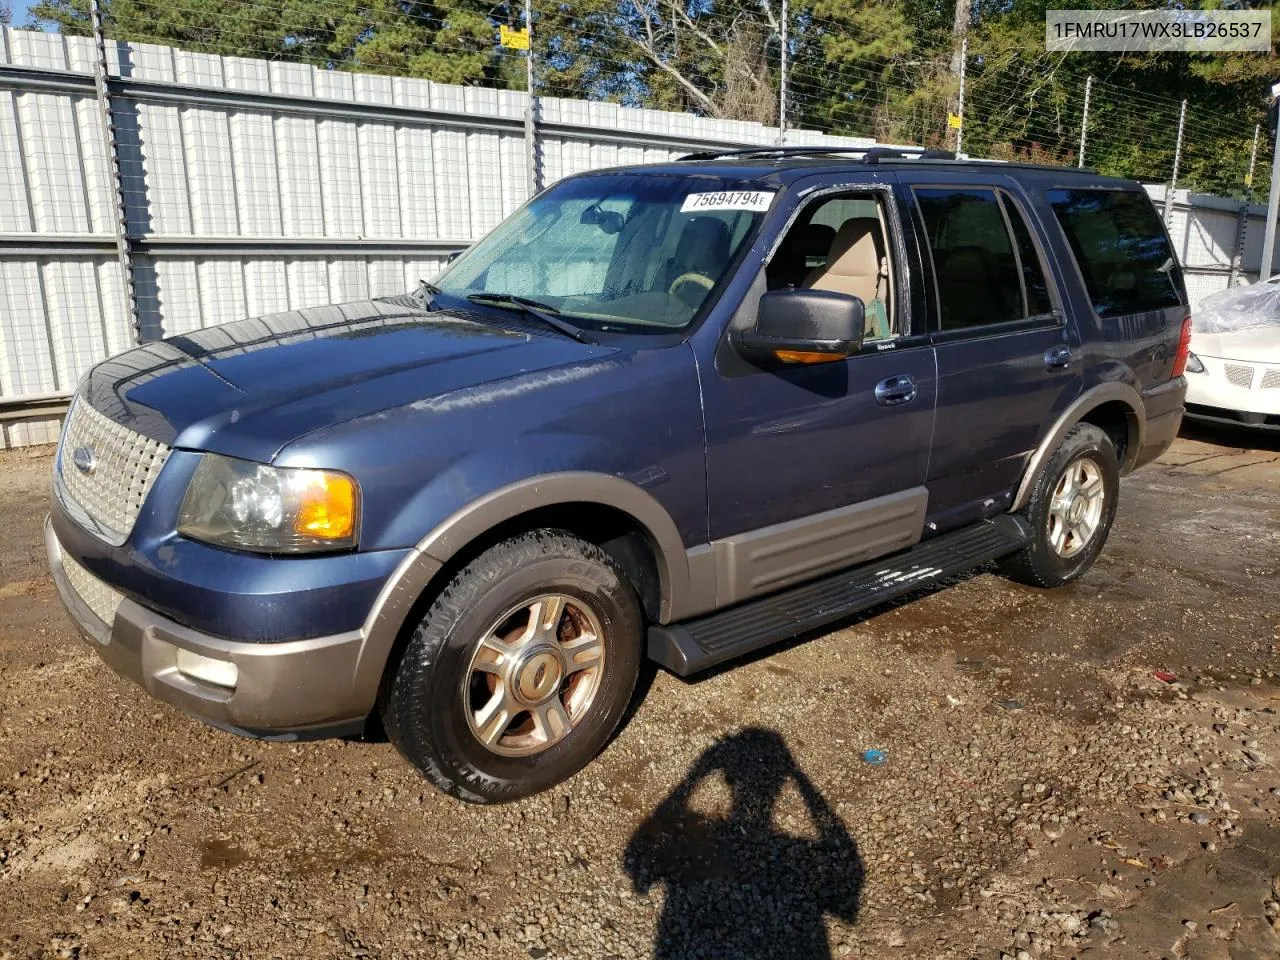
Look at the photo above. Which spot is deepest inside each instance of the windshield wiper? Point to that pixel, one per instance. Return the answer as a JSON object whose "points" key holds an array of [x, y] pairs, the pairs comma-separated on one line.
{"points": [[534, 308]]}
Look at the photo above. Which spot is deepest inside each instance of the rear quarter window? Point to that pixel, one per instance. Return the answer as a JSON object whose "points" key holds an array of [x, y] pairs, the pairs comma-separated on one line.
{"points": [[1122, 249]]}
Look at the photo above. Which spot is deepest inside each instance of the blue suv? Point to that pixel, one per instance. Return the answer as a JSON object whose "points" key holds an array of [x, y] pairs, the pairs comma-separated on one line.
{"points": [[679, 412]]}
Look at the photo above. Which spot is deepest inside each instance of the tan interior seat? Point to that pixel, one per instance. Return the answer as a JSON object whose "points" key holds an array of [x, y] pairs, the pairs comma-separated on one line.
{"points": [[855, 265]]}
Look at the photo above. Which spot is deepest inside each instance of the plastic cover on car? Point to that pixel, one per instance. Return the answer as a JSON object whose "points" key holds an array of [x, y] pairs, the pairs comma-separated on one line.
{"points": [[1238, 308]]}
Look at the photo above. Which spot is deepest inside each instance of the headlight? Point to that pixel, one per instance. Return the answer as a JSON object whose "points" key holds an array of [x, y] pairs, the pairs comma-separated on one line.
{"points": [[1193, 364], [251, 506]]}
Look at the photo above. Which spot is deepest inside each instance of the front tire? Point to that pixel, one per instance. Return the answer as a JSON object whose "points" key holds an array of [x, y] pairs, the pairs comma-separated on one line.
{"points": [[520, 671], [1071, 509]]}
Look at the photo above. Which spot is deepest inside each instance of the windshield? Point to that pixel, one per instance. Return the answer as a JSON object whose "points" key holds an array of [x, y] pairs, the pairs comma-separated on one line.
{"points": [[618, 249]]}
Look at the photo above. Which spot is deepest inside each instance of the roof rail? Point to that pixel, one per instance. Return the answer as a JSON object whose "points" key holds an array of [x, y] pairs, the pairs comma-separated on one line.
{"points": [[872, 154]]}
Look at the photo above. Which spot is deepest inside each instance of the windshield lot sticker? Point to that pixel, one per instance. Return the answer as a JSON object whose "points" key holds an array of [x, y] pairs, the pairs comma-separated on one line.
{"points": [[754, 200]]}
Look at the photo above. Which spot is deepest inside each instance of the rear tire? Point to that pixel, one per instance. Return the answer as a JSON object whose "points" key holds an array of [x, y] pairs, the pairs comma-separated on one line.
{"points": [[520, 671], [1072, 506]]}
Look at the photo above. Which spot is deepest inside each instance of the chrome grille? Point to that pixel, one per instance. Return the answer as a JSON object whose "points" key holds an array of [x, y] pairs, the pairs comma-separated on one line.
{"points": [[1240, 375], [97, 596], [124, 465], [1271, 379]]}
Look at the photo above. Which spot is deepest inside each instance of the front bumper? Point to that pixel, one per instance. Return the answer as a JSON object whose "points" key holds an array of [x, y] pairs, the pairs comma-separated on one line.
{"points": [[1255, 391], [324, 686]]}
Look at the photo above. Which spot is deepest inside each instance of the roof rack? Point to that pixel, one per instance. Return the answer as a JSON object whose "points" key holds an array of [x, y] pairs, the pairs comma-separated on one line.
{"points": [[865, 154]]}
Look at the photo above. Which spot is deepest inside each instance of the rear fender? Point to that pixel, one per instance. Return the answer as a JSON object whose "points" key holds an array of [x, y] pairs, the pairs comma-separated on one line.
{"points": [[1079, 410]]}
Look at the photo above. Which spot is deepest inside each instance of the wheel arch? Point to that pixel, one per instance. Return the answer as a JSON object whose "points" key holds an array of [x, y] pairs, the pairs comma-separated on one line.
{"points": [[1115, 407], [624, 519]]}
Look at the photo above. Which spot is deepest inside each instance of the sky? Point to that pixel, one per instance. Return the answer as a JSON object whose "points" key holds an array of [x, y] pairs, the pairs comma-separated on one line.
{"points": [[19, 8]]}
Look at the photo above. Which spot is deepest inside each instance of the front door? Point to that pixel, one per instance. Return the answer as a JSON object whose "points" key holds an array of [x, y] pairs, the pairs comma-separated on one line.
{"points": [[812, 468], [1008, 363]]}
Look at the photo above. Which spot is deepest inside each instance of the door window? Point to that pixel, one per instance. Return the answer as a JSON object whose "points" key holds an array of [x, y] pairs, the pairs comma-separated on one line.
{"points": [[985, 263], [1033, 278], [1122, 250], [839, 243]]}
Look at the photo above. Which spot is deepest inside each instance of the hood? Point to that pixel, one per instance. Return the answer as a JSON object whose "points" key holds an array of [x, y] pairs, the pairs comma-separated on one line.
{"points": [[1259, 344], [246, 389]]}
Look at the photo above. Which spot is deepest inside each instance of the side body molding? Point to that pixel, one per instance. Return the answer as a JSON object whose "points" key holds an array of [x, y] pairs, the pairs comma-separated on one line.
{"points": [[383, 625], [1079, 409]]}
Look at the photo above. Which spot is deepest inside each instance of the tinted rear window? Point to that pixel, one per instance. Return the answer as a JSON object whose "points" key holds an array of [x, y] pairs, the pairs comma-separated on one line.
{"points": [[1122, 250]]}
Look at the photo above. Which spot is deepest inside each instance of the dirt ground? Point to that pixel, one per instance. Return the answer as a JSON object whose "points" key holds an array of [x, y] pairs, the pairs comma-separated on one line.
{"points": [[1089, 772]]}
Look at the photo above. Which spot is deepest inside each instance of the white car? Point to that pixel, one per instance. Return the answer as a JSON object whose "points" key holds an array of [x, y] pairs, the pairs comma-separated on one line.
{"points": [[1233, 372]]}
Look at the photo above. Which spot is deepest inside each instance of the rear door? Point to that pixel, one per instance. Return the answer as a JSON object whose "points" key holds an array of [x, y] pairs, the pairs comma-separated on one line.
{"points": [[1008, 362]]}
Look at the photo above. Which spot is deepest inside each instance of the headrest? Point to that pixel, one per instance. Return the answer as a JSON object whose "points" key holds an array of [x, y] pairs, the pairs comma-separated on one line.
{"points": [[853, 252], [815, 239], [709, 235]]}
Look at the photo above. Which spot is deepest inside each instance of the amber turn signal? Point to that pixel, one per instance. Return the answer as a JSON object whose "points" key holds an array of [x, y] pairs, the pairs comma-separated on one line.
{"points": [[806, 356], [326, 506]]}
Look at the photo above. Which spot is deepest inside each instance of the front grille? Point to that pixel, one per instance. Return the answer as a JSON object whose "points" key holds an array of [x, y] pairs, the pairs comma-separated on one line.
{"points": [[97, 596], [1271, 379], [122, 466], [1240, 375]]}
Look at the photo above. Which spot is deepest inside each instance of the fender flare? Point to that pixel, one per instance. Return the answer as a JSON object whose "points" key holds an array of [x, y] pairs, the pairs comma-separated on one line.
{"points": [[430, 555], [1080, 408]]}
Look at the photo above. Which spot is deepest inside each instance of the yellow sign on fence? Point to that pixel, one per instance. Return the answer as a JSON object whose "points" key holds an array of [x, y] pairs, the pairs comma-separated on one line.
{"points": [[513, 38], [953, 121]]}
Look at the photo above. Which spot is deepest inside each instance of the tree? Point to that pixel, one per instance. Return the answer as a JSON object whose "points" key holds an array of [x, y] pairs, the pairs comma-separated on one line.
{"points": [[452, 43], [1021, 99]]}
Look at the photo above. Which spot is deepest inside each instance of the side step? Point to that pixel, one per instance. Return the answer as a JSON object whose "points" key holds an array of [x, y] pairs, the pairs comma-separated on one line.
{"points": [[689, 647]]}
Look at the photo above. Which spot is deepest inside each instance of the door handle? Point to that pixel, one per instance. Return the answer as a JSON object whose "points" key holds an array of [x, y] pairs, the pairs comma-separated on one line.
{"points": [[1057, 358], [895, 390]]}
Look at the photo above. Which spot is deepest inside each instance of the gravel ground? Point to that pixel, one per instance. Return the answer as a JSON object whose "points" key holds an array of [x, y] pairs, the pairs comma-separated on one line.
{"points": [[1084, 772]]}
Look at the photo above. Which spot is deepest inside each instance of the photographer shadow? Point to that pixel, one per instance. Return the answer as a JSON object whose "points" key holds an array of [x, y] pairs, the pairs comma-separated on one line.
{"points": [[737, 887]]}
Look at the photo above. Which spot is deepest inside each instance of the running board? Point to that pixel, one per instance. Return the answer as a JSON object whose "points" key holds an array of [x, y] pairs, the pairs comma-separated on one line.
{"points": [[694, 645]]}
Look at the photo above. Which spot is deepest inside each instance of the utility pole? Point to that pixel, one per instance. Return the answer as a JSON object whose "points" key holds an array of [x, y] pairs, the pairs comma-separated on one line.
{"points": [[1084, 121], [1177, 161], [960, 34], [782, 82], [960, 30], [1269, 238], [964, 58], [124, 247], [531, 110]]}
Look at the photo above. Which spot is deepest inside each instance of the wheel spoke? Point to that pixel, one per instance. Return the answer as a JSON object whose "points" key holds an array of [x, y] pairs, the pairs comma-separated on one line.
{"points": [[492, 720], [1092, 487], [552, 720], [493, 656], [545, 616], [582, 652], [1057, 533]]}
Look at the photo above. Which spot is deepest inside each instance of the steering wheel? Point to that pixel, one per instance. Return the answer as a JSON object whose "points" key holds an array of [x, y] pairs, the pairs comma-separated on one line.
{"points": [[706, 283]]}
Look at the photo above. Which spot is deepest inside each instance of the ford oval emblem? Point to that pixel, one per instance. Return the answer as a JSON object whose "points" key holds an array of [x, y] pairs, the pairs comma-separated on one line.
{"points": [[84, 459]]}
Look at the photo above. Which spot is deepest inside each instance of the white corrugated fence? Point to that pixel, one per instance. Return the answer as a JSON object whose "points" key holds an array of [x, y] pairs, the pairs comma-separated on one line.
{"points": [[252, 186]]}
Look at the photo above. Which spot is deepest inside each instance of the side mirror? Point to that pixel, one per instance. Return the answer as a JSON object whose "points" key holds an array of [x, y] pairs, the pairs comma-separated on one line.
{"points": [[806, 326]]}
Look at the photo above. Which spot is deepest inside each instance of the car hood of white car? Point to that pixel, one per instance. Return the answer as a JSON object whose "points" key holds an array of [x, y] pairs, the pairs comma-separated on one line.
{"points": [[1260, 344]]}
